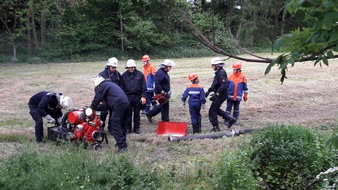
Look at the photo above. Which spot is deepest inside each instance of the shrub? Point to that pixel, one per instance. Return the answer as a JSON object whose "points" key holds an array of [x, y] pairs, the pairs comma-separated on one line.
{"points": [[73, 169], [290, 157], [232, 172]]}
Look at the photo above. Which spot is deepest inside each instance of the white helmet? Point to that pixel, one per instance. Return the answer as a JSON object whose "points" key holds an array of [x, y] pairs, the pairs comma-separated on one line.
{"points": [[130, 63], [168, 63], [66, 101], [217, 61], [112, 62], [97, 80]]}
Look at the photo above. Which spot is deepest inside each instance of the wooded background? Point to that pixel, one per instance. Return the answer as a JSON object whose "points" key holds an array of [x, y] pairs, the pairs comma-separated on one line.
{"points": [[61, 30]]}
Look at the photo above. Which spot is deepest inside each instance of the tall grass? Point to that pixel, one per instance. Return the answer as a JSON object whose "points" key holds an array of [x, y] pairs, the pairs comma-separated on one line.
{"points": [[74, 168], [280, 157]]}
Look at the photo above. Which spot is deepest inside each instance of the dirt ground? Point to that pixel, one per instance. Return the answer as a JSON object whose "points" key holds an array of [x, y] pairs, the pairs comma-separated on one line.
{"points": [[308, 97]]}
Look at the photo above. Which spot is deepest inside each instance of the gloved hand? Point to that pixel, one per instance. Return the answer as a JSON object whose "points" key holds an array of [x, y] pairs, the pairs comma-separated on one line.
{"points": [[183, 104], [59, 120], [207, 94], [203, 106], [50, 119], [143, 100], [245, 97], [158, 96], [168, 94], [213, 97]]}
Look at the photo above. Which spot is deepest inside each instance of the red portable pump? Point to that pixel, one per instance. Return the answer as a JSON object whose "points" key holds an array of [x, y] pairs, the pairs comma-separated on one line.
{"points": [[80, 126]]}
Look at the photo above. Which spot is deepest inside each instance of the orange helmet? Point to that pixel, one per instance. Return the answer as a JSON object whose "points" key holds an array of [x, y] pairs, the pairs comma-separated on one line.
{"points": [[237, 66], [192, 76], [145, 58]]}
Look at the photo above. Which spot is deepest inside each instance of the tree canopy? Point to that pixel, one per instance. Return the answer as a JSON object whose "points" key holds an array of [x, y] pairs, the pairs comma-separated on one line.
{"points": [[60, 29]]}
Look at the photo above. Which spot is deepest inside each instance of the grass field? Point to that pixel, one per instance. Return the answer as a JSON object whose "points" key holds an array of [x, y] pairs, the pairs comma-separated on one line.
{"points": [[308, 97]]}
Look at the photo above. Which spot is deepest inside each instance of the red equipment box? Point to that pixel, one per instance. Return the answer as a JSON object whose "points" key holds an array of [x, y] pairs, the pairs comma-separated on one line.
{"points": [[177, 129]]}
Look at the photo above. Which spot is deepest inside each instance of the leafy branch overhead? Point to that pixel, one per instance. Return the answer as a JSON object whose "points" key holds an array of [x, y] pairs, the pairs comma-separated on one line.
{"points": [[316, 43]]}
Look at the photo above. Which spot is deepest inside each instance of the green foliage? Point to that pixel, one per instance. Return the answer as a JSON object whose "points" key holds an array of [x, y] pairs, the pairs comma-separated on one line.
{"points": [[232, 172], [333, 141], [310, 43], [73, 169], [12, 137], [290, 157]]}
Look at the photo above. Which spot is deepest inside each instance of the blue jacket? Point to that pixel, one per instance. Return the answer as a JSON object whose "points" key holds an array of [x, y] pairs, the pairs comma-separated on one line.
{"points": [[46, 104], [196, 93], [220, 84], [111, 93], [113, 77], [162, 81]]}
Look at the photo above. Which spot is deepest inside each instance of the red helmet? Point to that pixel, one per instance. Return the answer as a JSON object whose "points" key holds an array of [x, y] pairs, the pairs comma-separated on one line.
{"points": [[237, 66], [145, 58], [192, 76]]}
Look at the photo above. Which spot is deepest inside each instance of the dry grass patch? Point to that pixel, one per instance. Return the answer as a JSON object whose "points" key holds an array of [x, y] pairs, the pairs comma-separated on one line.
{"points": [[307, 97]]}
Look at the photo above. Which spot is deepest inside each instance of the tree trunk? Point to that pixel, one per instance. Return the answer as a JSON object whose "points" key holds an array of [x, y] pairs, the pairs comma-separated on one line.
{"points": [[43, 22], [14, 51], [29, 35], [34, 34], [121, 30], [282, 26]]}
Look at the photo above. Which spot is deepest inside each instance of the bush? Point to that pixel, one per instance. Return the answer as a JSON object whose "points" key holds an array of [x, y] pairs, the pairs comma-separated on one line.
{"points": [[73, 169], [232, 172], [290, 157]]}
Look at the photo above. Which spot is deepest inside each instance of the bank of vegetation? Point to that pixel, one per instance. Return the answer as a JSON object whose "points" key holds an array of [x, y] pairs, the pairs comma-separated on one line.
{"points": [[278, 157]]}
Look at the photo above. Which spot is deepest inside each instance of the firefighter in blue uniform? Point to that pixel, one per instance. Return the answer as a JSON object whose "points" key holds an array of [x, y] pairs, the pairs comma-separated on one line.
{"points": [[118, 105], [196, 100], [219, 87], [134, 85], [162, 91], [111, 74], [47, 105]]}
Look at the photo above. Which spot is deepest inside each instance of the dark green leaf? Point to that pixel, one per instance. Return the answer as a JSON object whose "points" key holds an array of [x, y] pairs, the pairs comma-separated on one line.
{"points": [[325, 61], [268, 68], [279, 43]]}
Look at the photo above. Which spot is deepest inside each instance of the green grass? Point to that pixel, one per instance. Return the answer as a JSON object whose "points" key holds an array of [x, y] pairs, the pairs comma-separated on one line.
{"points": [[305, 99]]}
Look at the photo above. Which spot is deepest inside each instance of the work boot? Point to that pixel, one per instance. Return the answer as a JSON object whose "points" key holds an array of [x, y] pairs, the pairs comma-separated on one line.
{"points": [[121, 150], [199, 126], [215, 128], [226, 123], [137, 131], [194, 128], [149, 118], [199, 129], [231, 122]]}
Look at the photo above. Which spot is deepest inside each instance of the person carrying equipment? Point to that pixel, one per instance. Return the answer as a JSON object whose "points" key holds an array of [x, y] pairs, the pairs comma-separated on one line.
{"points": [[162, 91]]}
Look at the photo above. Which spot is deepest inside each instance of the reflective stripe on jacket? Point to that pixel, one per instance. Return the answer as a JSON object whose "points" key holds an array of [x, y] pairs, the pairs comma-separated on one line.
{"points": [[196, 94], [149, 75], [237, 87]]}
